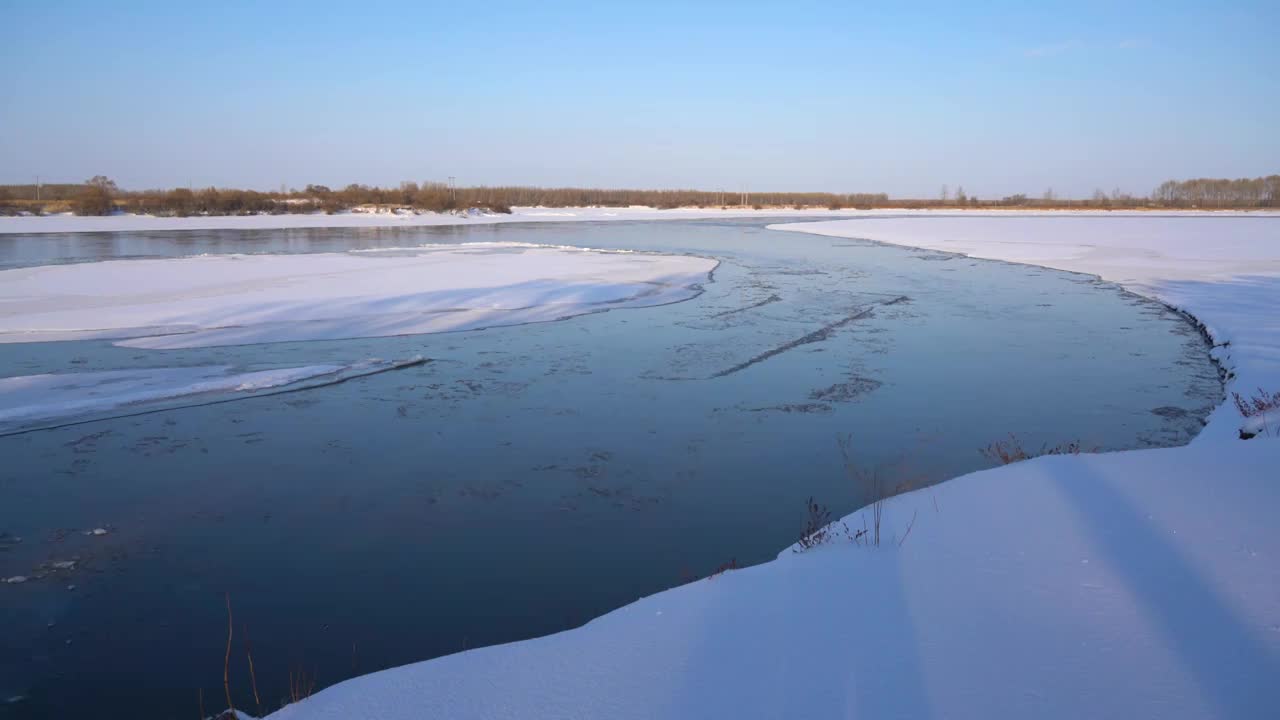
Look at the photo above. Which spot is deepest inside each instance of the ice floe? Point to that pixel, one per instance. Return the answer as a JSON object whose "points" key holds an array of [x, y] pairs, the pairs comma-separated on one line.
{"points": [[248, 299]]}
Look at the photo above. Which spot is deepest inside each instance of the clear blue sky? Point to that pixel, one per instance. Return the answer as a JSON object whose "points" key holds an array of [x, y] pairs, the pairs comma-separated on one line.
{"points": [[841, 96]]}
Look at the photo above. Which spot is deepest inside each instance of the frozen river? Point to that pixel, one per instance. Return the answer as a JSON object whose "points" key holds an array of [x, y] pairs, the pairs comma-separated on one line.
{"points": [[530, 477]]}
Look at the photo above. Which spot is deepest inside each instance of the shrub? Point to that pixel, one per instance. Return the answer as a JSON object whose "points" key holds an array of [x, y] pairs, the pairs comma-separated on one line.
{"points": [[815, 531], [819, 530], [94, 200], [180, 201], [1257, 406], [1261, 402]]}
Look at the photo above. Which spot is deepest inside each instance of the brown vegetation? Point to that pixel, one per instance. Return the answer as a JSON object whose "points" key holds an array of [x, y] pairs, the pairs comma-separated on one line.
{"points": [[724, 568], [1260, 403], [100, 196], [95, 197], [1220, 193], [301, 683], [1011, 450]]}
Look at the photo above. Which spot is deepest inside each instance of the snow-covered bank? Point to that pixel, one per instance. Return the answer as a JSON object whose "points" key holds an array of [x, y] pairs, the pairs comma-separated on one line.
{"points": [[1125, 586], [138, 223], [134, 223], [34, 401], [246, 299], [1142, 584]]}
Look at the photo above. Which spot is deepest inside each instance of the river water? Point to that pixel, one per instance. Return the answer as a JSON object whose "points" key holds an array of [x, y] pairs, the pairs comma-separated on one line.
{"points": [[529, 478]]}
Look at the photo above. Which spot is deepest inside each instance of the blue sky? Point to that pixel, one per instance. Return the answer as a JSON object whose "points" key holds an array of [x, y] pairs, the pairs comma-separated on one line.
{"points": [[847, 97]]}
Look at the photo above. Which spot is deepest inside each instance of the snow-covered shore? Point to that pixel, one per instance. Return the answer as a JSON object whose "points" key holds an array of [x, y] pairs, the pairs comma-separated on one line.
{"points": [[1137, 584], [67, 223]]}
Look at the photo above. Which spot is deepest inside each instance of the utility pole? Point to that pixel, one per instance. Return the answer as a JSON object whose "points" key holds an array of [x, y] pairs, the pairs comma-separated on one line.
{"points": [[37, 188], [453, 193]]}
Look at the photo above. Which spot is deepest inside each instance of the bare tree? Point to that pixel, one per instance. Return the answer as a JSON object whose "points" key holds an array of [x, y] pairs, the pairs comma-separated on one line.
{"points": [[104, 182], [95, 198]]}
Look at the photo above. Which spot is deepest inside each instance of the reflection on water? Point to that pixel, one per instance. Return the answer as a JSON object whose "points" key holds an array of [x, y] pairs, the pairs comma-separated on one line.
{"points": [[530, 478]]}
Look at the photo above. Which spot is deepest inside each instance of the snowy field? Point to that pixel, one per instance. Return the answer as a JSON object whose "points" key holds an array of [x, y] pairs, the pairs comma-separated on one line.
{"points": [[1142, 584], [247, 299]]}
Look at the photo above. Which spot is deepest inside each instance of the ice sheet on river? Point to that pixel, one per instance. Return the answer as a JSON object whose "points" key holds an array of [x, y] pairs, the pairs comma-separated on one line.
{"points": [[33, 401], [248, 299]]}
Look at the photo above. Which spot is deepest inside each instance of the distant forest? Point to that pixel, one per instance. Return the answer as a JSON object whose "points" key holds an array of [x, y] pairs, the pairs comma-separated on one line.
{"points": [[100, 196]]}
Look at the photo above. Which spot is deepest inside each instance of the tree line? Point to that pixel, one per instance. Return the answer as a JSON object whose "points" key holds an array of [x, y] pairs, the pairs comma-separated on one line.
{"points": [[101, 196], [1261, 192]]}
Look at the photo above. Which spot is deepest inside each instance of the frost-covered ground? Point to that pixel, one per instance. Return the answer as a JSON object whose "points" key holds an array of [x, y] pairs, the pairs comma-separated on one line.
{"points": [[1142, 584]]}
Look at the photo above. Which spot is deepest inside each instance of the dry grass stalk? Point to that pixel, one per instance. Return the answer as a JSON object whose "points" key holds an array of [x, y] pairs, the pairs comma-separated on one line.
{"points": [[226, 661], [1007, 452], [908, 532], [725, 567], [253, 678], [1259, 403], [300, 686], [880, 490]]}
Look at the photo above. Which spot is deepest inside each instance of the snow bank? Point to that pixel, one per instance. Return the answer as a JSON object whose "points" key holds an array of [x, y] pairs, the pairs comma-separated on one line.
{"points": [[134, 223], [67, 223], [32, 401], [246, 299], [1119, 586], [1138, 584]]}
